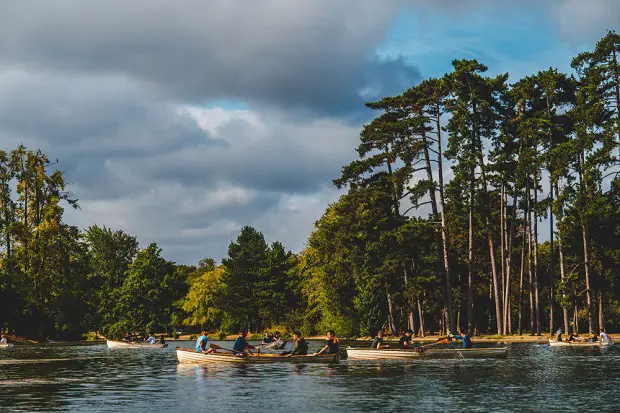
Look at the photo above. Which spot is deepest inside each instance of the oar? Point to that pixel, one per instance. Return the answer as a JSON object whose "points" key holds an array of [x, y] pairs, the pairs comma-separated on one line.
{"points": [[216, 347], [443, 341]]}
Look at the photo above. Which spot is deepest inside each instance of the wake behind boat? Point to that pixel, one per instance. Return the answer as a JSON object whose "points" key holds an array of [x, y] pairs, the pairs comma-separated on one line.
{"points": [[186, 355], [405, 354], [555, 343], [122, 344]]}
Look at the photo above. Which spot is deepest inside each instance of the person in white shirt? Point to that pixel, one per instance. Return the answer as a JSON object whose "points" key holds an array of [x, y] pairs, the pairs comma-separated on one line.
{"points": [[604, 336], [3, 340], [151, 339]]}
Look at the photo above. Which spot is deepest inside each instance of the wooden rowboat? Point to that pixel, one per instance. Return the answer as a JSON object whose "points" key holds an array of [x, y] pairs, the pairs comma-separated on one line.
{"points": [[554, 343], [186, 355], [6, 345], [122, 344], [407, 354]]}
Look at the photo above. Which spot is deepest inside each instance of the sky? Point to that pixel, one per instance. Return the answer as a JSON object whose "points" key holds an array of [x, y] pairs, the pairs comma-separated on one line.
{"points": [[181, 121]]}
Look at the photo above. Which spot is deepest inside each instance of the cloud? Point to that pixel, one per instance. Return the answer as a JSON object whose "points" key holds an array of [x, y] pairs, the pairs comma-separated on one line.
{"points": [[308, 55], [584, 22]]}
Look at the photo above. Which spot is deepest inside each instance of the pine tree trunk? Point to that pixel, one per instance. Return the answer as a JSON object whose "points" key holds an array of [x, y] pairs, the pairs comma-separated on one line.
{"points": [[410, 308], [551, 258], [584, 236], [601, 323], [390, 308], [529, 261], [444, 229], [536, 298], [559, 215], [522, 271], [502, 233], [421, 316], [470, 262]]}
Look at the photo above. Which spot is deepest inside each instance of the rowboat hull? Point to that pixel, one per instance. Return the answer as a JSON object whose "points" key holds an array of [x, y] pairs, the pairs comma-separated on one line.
{"points": [[596, 344], [407, 354], [6, 345], [122, 344], [189, 356]]}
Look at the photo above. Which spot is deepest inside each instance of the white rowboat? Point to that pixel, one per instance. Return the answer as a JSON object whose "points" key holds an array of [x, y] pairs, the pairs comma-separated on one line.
{"points": [[122, 344], [554, 343], [405, 354], [186, 355], [6, 345]]}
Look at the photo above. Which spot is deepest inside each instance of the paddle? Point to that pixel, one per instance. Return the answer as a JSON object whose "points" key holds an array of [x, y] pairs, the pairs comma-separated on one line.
{"points": [[216, 347], [442, 341]]}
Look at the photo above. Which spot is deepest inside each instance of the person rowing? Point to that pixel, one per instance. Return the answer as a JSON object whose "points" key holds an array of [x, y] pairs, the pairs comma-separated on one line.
{"points": [[151, 339], [405, 340], [300, 347], [604, 336], [332, 346], [3, 340], [201, 343], [463, 336], [558, 335], [378, 341], [593, 338], [241, 344], [267, 338], [127, 337], [277, 341]]}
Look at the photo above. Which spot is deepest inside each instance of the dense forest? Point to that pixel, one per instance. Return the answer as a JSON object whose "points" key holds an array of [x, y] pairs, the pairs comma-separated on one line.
{"points": [[439, 225]]}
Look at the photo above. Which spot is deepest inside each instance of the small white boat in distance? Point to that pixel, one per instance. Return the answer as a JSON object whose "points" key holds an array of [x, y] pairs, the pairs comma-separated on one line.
{"points": [[122, 344], [404, 354], [555, 343], [6, 345]]}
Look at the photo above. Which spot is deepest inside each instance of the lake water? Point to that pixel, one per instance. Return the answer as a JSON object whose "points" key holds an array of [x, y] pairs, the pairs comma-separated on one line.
{"points": [[95, 379]]}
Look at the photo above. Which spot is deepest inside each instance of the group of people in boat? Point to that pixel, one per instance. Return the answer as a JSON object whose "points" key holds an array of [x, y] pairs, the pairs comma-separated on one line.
{"points": [[273, 341], [130, 338], [300, 345], [407, 335], [602, 337]]}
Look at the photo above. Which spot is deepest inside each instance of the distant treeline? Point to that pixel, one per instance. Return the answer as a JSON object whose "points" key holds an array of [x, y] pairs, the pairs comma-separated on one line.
{"points": [[439, 226]]}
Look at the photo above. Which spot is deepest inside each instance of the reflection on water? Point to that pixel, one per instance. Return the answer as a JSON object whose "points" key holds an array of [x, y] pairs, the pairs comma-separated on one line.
{"points": [[94, 378]]}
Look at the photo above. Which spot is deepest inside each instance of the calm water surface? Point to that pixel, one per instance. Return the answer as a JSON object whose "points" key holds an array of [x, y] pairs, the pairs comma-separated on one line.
{"points": [[93, 379]]}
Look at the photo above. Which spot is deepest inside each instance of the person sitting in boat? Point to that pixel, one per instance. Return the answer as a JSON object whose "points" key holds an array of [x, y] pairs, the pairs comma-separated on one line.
{"points": [[300, 347], [127, 338], [151, 339], [241, 344], [378, 341], [332, 346], [604, 336], [405, 340], [3, 340], [267, 338], [574, 337], [161, 339], [558, 335], [201, 343], [592, 338], [277, 341], [463, 336]]}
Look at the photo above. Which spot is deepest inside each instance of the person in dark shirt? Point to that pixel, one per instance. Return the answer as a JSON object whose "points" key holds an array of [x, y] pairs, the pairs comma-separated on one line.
{"points": [[462, 335], [378, 341], [267, 338], [241, 344], [300, 347], [405, 340], [332, 346], [127, 338]]}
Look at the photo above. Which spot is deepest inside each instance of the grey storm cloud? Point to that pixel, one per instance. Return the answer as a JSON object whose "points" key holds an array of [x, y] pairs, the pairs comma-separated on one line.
{"points": [[314, 55]]}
